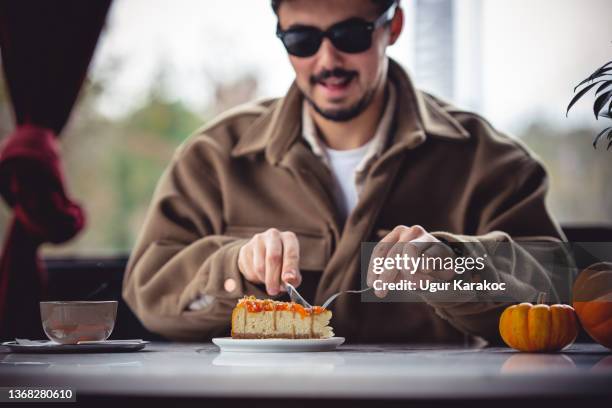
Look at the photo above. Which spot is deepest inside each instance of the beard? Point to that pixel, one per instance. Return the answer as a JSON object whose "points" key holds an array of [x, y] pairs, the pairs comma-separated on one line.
{"points": [[344, 114], [340, 114]]}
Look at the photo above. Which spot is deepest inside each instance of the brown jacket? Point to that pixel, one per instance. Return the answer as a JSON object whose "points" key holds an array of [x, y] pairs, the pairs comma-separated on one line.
{"points": [[445, 169]]}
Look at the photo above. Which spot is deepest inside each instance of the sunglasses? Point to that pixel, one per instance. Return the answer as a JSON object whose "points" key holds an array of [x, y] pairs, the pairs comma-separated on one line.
{"points": [[351, 36]]}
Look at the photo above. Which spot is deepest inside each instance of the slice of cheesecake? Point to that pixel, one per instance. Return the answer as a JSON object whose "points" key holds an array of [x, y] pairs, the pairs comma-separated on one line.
{"points": [[268, 319]]}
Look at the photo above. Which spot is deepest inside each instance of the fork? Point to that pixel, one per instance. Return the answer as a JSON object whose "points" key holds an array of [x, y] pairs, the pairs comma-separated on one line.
{"points": [[334, 296], [295, 296]]}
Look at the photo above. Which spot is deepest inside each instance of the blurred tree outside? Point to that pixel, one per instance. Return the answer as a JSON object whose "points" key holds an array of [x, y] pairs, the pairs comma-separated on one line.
{"points": [[112, 165], [580, 189]]}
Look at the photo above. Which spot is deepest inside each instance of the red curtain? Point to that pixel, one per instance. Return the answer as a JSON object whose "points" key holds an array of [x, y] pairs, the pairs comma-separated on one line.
{"points": [[46, 48]]}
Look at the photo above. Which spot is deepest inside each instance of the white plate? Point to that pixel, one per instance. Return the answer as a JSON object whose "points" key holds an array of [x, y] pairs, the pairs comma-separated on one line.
{"points": [[43, 346], [227, 344]]}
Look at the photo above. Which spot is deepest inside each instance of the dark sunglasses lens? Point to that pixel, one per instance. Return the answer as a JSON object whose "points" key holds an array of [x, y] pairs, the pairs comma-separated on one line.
{"points": [[352, 38], [303, 43]]}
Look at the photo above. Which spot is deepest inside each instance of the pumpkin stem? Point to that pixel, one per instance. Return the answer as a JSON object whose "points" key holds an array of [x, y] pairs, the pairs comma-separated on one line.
{"points": [[541, 298]]}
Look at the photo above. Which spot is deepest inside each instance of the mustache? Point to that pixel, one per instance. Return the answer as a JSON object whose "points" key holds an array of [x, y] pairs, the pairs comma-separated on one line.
{"points": [[327, 73]]}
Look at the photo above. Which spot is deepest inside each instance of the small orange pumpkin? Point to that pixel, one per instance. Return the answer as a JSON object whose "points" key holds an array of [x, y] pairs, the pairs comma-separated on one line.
{"points": [[593, 302], [528, 327]]}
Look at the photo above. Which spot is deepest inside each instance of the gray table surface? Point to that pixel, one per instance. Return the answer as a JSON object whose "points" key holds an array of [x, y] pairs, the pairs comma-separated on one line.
{"points": [[353, 371]]}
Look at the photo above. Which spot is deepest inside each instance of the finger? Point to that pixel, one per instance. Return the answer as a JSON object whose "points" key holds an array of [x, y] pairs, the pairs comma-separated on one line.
{"points": [[432, 251], [411, 233], [245, 263], [437, 254], [415, 262], [259, 256], [393, 236], [380, 252], [391, 274], [413, 237], [273, 261], [401, 233], [377, 261], [430, 259], [290, 271]]}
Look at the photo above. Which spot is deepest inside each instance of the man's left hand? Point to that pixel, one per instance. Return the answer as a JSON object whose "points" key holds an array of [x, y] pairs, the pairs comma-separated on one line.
{"points": [[413, 242]]}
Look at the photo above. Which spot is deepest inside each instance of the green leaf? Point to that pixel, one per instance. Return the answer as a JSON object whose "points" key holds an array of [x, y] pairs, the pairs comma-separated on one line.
{"points": [[590, 78], [580, 95], [600, 102], [600, 135], [606, 64], [602, 72], [597, 74], [603, 86], [602, 68]]}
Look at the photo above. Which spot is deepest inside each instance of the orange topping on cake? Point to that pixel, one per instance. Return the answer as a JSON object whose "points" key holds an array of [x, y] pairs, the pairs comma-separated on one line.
{"points": [[255, 305]]}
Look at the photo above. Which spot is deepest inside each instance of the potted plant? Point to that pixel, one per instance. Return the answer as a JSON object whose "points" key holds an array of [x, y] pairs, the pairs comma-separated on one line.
{"points": [[592, 294], [602, 78]]}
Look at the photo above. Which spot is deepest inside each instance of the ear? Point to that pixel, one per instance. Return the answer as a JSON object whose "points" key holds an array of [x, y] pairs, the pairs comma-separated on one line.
{"points": [[396, 25]]}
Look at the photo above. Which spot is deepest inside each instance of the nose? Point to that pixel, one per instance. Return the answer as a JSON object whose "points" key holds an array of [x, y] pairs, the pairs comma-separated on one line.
{"points": [[328, 57]]}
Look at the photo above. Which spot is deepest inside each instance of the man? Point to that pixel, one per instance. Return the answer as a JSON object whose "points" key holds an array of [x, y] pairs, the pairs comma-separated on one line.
{"points": [[287, 190]]}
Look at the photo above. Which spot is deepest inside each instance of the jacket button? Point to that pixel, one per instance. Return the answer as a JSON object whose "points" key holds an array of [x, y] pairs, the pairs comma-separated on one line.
{"points": [[229, 285]]}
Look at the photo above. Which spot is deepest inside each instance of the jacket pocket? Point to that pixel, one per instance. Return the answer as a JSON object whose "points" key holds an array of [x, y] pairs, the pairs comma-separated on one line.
{"points": [[315, 247]]}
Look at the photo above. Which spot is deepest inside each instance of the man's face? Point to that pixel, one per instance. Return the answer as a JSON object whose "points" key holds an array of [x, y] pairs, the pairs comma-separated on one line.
{"points": [[339, 85]]}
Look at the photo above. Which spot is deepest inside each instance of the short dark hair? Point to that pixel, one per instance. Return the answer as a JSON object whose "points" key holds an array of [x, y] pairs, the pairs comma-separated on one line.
{"points": [[382, 4]]}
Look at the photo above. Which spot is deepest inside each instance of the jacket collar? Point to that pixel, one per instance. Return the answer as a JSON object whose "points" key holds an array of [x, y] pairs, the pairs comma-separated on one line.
{"points": [[417, 116]]}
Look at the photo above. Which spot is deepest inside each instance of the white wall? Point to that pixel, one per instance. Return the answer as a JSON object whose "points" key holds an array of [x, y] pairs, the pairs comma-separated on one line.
{"points": [[536, 51]]}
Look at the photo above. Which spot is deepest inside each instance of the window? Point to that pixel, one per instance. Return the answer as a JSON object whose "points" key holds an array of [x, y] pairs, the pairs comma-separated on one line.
{"points": [[163, 69], [516, 62]]}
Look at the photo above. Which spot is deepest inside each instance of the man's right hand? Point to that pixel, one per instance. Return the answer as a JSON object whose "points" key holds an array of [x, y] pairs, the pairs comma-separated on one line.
{"points": [[271, 257]]}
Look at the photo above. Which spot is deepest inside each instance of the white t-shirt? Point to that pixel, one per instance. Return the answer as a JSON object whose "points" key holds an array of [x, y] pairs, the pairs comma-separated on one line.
{"points": [[344, 164]]}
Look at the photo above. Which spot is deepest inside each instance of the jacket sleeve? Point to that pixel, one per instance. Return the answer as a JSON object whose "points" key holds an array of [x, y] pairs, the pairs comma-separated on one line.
{"points": [[181, 254], [522, 242]]}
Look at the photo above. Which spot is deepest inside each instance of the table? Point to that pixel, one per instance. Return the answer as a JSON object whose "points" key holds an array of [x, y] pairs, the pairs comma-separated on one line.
{"points": [[352, 373]]}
